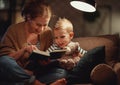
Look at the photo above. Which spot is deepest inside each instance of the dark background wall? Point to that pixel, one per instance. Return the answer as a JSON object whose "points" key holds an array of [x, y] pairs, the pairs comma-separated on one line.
{"points": [[106, 20]]}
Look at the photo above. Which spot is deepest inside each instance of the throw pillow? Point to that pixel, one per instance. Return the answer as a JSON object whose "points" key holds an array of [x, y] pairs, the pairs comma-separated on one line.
{"points": [[81, 73]]}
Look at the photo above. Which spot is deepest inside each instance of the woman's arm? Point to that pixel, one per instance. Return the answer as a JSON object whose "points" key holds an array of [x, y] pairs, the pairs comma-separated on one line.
{"points": [[24, 52]]}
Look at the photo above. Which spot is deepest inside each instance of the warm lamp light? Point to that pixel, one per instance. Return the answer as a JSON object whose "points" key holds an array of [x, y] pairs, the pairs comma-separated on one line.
{"points": [[86, 5]]}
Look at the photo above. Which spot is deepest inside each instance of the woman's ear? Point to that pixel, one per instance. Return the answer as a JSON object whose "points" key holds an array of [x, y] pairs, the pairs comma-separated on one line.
{"points": [[71, 35]]}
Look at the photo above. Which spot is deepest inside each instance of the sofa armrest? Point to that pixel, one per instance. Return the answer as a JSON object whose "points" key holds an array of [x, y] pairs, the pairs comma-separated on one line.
{"points": [[117, 67], [103, 74], [117, 70]]}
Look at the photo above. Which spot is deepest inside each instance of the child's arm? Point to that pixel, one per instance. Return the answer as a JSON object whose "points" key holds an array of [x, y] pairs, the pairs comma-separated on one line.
{"points": [[73, 55], [68, 62], [71, 47]]}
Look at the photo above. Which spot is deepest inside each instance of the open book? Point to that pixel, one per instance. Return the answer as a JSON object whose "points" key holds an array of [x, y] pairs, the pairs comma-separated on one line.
{"points": [[37, 54]]}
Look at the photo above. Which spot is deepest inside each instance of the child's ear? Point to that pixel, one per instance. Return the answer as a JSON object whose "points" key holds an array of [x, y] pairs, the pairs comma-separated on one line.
{"points": [[71, 35]]}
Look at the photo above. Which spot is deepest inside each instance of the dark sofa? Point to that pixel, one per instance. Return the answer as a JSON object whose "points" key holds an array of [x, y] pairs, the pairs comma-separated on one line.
{"points": [[111, 43]]}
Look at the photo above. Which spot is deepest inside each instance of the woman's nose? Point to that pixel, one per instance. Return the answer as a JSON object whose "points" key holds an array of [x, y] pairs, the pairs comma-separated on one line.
{"points": [[40, 28]]}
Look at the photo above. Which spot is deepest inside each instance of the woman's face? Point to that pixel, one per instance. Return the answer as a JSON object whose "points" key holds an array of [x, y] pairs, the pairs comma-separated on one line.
{"points": [[38, 24], [62, 38]]}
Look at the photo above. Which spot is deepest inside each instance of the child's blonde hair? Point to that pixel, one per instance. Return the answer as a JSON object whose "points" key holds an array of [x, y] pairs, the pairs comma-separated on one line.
{"points": [[64, 23]]}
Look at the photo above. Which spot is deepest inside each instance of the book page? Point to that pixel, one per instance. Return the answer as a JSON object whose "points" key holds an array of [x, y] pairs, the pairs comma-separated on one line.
{"points": [[42, 55], [41, 52], [63, 50]]}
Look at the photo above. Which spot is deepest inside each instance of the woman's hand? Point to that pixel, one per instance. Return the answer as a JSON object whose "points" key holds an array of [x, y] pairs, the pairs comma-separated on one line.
{"points": [[28, 51], [24, 52], [30, 48]]}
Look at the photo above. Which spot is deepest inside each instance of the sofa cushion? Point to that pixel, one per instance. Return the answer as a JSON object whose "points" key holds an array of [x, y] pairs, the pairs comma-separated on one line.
{"points": [[111, 43], [81, 73]]}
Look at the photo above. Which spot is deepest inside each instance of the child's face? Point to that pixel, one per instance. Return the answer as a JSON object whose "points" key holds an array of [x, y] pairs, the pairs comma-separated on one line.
{"points": [[62, 37]]}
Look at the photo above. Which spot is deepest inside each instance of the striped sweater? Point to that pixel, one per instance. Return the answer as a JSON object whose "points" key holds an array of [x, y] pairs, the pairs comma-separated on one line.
{"points": [[72, 56], [56, 47]]}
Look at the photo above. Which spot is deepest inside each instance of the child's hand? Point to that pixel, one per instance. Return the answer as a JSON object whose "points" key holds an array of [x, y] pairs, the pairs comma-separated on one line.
{"points": [[71, 48], [62, 61], [70, 64], [67, 63]]}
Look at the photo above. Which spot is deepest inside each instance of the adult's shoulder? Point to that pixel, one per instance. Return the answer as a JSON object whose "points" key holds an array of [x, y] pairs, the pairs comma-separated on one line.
{"points": [[15, 29], [16, 26]]}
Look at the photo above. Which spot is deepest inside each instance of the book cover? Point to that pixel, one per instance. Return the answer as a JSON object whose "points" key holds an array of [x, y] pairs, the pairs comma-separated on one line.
{"points": [[42, 55]]}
